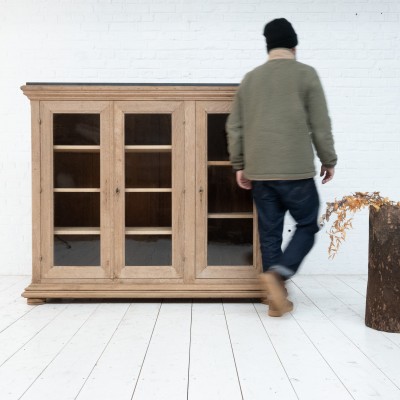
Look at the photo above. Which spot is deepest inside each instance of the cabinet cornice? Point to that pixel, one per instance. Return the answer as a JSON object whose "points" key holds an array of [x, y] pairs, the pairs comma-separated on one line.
{"points": [[127, 92]]}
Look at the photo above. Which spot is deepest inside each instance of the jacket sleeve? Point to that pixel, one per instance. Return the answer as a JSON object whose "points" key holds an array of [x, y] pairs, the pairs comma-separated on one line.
{"points": [[234, 129], [320, 123]]}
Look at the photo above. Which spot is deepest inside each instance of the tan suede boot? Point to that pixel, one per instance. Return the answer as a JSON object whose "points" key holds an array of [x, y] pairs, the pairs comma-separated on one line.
{"points": [[274, 290], [264, 300]]}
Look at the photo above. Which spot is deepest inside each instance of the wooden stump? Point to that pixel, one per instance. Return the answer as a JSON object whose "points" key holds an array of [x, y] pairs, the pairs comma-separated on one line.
{"points": [[383, 291]]}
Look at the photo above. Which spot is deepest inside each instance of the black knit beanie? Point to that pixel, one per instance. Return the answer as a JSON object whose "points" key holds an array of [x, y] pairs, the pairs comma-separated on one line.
{"points": [[280, 33]]}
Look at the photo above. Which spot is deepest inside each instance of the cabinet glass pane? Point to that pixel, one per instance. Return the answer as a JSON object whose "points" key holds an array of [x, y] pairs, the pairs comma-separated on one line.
{"points": [[217, 144], [76, 170], [148, 129], [224, 195], [76, 129], [148, 250], [148, 210], [148, 170], [230, 241], [77, 209], [77, 250]]}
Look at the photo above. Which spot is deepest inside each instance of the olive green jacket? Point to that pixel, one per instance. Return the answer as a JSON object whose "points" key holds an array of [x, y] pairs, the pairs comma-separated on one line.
{"points": [[278, 114]]}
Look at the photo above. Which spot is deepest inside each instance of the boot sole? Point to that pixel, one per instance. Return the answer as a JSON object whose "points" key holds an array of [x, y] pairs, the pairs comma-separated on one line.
{"points": [[275, 292], [275, 313]]}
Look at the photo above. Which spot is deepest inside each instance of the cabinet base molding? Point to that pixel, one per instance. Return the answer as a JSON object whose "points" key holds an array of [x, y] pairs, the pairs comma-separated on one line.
{"points": [[38, 296], [32, 301]]}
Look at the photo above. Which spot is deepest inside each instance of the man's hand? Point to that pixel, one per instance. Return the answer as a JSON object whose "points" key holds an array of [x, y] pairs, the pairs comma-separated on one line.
{"points": [[243, 182], [327, 173]]}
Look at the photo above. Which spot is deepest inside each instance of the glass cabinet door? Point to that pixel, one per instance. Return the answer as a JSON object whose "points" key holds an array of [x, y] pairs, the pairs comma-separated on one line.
{"points": [[225, 216], [149, 189], [75, 196]]}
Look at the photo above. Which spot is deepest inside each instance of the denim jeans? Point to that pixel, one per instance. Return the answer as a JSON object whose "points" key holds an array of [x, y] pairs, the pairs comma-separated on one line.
{"points": [[272, 200]]}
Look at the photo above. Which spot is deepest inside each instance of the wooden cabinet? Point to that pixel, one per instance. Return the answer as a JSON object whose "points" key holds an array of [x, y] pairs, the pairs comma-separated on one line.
{"points": [[133, 194]]}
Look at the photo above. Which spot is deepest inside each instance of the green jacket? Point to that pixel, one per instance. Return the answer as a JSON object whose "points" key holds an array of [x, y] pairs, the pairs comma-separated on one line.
{"points": [[278, 112]]}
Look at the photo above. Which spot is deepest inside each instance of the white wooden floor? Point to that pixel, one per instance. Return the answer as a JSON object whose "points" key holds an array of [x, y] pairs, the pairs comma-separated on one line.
{"points": [[173, 350]]}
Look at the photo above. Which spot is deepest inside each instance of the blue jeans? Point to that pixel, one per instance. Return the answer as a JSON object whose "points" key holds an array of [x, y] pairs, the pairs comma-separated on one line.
{"points": [[272, 200]]}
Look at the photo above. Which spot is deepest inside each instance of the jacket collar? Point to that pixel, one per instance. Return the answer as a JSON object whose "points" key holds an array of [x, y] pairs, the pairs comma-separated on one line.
{"points": [[281, 53]]}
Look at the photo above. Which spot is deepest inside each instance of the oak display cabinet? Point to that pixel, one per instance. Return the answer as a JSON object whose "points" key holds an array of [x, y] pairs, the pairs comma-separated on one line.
{"points": [[133, 194]]}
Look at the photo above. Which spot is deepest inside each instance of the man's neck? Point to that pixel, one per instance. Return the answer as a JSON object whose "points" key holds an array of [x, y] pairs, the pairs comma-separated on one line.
{"points": [[278, 53]]}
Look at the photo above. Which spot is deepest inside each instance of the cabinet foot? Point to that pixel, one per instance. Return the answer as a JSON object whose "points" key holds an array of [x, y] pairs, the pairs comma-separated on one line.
{"points": [[35, 302]]}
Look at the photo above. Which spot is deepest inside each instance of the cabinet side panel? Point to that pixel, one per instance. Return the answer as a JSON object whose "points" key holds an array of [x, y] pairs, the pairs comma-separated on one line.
{"points": [[46, 191], [35, 148]]}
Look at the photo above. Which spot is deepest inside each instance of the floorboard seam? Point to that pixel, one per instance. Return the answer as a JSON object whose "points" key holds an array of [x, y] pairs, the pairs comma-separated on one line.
{"points": [[276, 352], [233, 353], [147, 349], [105, 347]]}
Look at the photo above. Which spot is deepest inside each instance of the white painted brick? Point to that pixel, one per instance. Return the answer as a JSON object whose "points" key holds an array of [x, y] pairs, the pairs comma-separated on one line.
{"points": [[353, 44]]}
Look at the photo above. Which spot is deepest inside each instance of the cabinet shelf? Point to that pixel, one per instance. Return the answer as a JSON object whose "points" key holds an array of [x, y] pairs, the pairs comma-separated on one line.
{"points": [[80, 230], [231, 215], [148, 231], [78, 149], [76, 190], [148, 148], [148, 190]]}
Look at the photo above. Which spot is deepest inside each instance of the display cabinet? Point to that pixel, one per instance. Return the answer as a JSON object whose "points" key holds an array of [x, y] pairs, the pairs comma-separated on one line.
{"points": [[133, 194]]}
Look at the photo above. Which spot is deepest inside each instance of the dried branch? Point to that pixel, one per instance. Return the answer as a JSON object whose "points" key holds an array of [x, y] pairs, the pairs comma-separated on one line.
{"points": [[352, 203]]}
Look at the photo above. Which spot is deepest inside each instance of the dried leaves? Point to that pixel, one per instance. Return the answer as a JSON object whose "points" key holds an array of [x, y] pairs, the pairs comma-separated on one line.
{"points": [[352, 203]]}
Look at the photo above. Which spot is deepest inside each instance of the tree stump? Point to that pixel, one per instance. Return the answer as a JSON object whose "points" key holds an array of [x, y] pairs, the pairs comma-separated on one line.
{"points": [[383, 290]]}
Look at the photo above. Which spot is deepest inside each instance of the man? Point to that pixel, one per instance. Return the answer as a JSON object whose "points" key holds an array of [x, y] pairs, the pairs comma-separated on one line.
{"points": [[278, 113]]}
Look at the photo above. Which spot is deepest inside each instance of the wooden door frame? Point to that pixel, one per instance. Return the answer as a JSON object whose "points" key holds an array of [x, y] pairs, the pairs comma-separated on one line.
{"points": [[203, 271], [161, 273], [47, 109]]}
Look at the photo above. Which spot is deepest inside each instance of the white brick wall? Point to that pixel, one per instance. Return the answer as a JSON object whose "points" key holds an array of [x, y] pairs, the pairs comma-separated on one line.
{"points": [[354, 45]]}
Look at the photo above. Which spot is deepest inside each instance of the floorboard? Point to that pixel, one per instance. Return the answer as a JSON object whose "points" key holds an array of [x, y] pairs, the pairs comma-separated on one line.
{"points": [[116, 372], [27, 365], [20, 332], [64, 377], [164, 373], [260, 370], [212, 370]]}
